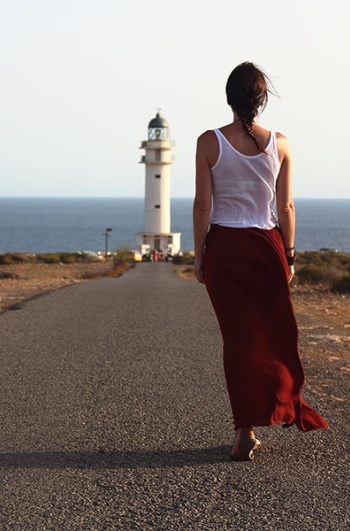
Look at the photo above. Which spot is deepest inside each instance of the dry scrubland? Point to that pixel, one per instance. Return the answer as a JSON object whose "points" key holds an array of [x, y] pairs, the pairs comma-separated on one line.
{"points": [[320, 292], [322, 279], [318, 274], [25, 276], [323, 270]]}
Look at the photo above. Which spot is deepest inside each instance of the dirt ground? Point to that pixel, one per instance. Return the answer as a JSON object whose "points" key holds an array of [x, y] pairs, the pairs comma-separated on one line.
{"points": [[31, 279], [323, 320], [323, 317]]}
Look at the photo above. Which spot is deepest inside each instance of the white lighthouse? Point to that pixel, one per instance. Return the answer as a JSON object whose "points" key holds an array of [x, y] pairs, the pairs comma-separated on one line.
{"points": [[157, 235]]}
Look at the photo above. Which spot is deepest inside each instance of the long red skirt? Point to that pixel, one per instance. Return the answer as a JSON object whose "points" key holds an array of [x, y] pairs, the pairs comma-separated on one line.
{"points": [[246, 279]]}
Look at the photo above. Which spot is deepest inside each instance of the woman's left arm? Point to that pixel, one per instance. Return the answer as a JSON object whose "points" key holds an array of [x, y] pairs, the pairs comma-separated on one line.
{"points": [[202, 202], [284, 199]]}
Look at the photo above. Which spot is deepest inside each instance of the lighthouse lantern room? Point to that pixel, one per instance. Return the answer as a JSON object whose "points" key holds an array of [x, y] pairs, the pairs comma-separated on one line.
{"points": [[158, 158]]}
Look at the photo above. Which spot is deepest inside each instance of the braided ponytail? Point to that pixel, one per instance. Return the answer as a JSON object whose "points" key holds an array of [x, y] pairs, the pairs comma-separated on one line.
{"points": [[247, 90], [248, 126]]}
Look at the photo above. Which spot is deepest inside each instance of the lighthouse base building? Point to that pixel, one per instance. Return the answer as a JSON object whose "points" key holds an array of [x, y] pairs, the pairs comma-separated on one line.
{"points": [[157, 235], [169, 243]]}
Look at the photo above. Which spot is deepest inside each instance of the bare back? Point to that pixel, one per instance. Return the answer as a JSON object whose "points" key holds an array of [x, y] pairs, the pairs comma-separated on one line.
{"points": [[240, 140]]}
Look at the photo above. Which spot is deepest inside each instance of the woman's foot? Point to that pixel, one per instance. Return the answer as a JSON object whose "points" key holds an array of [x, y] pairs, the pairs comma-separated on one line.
{"points": [[244, 444]]}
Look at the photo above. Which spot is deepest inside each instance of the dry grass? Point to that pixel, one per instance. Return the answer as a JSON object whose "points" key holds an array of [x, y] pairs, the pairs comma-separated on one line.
{"points": [[22, 281]]}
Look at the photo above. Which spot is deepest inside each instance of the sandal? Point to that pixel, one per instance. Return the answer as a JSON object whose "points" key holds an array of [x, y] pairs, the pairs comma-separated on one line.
{"points": [[245, 450]]}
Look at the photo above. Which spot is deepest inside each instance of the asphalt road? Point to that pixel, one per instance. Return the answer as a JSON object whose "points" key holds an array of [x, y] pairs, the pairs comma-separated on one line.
{"points": [[114, 416]]}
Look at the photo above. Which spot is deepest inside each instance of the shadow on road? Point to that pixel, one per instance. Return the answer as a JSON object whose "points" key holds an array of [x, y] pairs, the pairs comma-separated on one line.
{"points": [[106, 459]]}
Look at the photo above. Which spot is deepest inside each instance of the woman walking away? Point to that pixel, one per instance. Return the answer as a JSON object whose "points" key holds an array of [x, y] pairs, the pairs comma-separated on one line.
{"points": [[246, 260]]}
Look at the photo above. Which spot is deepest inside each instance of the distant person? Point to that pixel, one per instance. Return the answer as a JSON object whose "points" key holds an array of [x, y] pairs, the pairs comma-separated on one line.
{"points": [[246, 261]]}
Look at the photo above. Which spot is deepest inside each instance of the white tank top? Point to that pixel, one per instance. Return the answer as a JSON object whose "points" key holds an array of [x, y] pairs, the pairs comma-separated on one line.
{"points": [[244, 186]]}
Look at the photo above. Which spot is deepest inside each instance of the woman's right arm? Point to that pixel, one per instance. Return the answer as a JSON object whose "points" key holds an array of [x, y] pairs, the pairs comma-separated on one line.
{"points": [[202, 201], [284, 198]]}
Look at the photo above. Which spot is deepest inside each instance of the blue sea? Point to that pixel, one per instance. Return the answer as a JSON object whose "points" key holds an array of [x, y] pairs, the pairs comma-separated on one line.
{"points": [[42, 225]]}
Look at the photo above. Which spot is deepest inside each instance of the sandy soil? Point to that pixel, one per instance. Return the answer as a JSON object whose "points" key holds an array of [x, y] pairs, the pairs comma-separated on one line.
{"points": [[30, 280], [323, 317], [323, 320], [324, 324]]}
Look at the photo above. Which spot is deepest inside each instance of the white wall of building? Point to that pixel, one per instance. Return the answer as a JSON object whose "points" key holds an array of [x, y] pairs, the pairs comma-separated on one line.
{"points": [[158, 160]]}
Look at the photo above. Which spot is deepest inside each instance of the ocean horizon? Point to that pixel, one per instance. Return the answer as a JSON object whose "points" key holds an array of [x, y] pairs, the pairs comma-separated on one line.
{"points": [[54, 224]]}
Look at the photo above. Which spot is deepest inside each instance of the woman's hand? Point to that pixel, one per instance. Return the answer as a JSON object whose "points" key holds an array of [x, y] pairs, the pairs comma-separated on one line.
{"points": [[198, 268], [291, 273]]}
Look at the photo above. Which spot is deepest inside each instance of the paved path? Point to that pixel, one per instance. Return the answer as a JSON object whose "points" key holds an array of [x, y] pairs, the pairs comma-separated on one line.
{"points": [[114, 416]]}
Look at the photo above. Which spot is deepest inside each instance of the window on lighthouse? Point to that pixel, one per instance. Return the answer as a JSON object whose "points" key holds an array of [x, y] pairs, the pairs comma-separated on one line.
{"points": [[157, 155], [157, 133], [157, 176]]}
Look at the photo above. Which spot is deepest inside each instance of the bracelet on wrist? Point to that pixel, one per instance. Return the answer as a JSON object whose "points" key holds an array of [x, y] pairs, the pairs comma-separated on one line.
{"points": [[291, 259], [286, 249]]}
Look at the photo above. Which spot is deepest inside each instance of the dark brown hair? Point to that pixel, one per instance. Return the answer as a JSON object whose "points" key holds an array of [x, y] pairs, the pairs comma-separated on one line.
{"points": [[247, 91]]}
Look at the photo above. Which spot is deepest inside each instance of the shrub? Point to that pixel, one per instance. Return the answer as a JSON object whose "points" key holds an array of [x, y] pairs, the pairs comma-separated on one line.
{"points": [[15, 258], [341, 285], [56, 258], [48, 258], [315, 273], [332, 258], [123, 256], [70, 258], [7, 274], [5, 259], [186, 259]]}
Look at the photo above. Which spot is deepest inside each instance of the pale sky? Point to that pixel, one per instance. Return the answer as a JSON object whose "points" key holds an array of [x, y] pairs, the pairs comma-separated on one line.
{"points": [[81, 79]]}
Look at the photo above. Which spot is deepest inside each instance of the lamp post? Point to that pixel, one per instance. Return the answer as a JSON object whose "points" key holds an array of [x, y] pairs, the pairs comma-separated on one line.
{"points": [[107, 231]]}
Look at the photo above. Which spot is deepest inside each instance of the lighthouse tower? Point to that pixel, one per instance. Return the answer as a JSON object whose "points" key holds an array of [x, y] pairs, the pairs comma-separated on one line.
{"points": [[157, 235]]}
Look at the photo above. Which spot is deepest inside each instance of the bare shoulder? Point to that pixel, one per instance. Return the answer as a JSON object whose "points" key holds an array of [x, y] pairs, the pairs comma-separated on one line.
{"points": [[281, 136], [206, 138], [207, 147], [282, 139], [283, 146]]}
